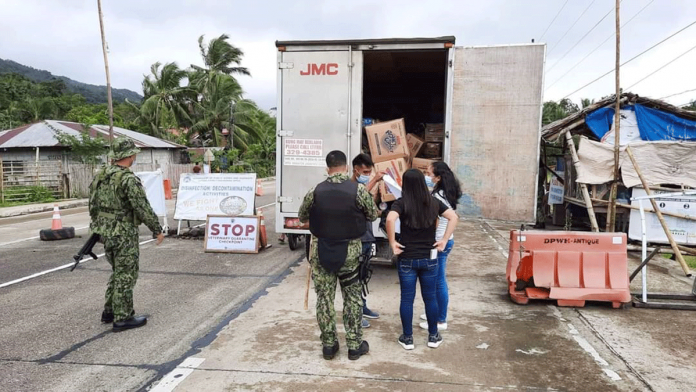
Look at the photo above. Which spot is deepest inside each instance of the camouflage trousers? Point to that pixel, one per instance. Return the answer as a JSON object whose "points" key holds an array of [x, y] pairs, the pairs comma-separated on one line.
{"points": [[122, 253], [325, 287]]}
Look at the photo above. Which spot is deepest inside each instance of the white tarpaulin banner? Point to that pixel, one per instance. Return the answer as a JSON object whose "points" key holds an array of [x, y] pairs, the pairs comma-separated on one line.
{"points": [[683, 230], [201, 195], [153, 182], [660, 163], [629, 132]]}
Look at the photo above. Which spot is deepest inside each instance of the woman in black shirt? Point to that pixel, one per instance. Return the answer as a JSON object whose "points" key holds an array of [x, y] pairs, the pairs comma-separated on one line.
{"points": [[418, 212]]}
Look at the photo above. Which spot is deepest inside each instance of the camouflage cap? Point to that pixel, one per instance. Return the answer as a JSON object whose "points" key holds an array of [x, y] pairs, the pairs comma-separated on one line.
{"points": [[122, 148]]}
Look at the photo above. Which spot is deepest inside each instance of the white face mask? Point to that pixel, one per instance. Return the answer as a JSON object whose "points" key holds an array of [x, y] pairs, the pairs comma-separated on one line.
{"points": [[429, 182]]}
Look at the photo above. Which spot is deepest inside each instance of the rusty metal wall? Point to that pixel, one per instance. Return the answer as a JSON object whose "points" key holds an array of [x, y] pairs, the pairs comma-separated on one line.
{"points": [[496, 121]]}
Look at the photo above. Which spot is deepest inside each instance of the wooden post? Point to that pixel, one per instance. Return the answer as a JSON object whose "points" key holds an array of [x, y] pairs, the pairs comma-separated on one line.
{"points": [[583, 187], [108, 77], [668, 233], [306, 294], [611, 214]]}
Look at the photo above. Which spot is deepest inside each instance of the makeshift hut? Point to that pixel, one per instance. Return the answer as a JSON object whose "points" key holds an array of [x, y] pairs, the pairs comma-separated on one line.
{"points": [[661, 139]]}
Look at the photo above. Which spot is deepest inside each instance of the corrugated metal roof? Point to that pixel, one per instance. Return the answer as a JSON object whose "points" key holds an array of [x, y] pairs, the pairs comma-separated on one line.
{"points": [[43, 134]]}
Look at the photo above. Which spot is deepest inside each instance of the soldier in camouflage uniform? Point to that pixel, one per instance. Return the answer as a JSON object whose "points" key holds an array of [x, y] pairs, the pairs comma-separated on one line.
{"points": [[347, 274], [117, 206]]}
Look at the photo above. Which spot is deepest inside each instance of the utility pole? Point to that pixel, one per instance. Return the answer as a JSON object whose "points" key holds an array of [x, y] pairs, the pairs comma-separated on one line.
{"points": [[108, 77], [611, 214]]}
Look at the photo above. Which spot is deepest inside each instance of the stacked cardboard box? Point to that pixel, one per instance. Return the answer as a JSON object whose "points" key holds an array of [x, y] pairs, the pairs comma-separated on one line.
{"points": [[393, 151]]}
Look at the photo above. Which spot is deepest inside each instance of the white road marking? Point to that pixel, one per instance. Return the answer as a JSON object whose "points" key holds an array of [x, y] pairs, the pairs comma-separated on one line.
{"points": [[483, 346], [33, 238], [176, 376], [533, 351], [268, 205], [36, 275]]}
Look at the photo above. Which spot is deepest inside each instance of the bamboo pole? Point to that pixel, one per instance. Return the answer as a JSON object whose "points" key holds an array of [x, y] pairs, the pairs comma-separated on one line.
{"points": [[2, 182], [108, 77], [648, 210], [583, 187], [306, 294], [668, 233], [611, 214]]}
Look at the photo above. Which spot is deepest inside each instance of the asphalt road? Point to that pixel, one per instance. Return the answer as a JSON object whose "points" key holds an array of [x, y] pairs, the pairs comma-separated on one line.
{"points": [[51, 338]]}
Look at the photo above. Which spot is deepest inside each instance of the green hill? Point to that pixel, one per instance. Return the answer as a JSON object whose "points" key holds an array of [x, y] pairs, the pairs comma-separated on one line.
{"points": [[92, 93]]}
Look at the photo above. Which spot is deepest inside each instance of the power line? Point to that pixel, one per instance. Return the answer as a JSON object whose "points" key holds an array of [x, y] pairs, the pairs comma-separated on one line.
{"points": [[674, 95], [633, 58], [659, 69], [581, 39], [570, 28], [554, 19], [598, 46]]}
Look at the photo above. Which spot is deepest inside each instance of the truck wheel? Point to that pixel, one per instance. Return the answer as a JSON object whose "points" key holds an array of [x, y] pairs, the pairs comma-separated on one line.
{"points": [[292, 241], [307, 239], [60, 234]]}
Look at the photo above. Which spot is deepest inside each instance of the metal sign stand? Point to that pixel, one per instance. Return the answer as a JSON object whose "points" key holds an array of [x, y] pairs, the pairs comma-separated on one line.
{"points": [[642, 301]]}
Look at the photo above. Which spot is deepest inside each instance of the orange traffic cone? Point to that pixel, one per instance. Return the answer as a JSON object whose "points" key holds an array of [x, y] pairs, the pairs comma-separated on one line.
{"points": [[262, 229], [259, 188], [57, 223]]}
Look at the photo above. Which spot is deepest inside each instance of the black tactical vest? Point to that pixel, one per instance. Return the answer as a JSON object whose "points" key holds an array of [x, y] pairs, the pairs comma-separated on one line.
{"points": [[335, 213]]}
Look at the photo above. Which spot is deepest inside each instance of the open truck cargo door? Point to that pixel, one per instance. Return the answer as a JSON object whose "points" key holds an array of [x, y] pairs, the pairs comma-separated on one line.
{"points": [[494, 128], [316, 114]]}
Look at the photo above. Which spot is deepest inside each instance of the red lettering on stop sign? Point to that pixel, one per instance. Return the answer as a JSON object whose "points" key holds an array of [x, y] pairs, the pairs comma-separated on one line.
{"points": [[237, 230], [250, 229], [215, 229], [226, 226]]}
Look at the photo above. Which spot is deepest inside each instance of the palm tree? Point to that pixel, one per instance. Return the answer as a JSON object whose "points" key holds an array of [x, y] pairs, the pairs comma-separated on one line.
{"points": [[37, 109], [165, 102], [219, 55], [213, 109]]}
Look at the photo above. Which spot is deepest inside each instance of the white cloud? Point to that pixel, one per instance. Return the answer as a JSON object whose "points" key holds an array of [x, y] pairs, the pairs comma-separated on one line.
{"points": [[62, 36]]}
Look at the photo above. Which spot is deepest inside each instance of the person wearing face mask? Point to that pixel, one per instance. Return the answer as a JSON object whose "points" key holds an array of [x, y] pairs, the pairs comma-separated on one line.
{"points": [[362, 171], [338, 210], [446, 188]]}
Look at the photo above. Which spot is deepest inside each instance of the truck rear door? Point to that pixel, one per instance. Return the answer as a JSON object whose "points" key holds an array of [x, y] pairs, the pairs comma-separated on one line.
{"points": [[315, 116], [494, 126]]}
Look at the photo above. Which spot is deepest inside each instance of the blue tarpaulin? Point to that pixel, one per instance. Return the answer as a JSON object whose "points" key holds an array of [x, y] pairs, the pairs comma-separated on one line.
{"points": [[653, 124]]}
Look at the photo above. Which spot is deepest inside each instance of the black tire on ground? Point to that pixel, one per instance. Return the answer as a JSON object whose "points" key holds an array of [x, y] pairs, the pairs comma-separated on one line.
{"points": [[54, 235], [307, 239], [292, 241]]}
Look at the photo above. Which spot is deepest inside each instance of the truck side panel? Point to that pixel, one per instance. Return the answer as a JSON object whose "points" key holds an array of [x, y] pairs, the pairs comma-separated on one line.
{"points": [[496, 120]]}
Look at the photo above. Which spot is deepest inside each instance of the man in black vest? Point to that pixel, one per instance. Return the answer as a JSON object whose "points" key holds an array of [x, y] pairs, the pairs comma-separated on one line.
{"points": [[338, 211]]}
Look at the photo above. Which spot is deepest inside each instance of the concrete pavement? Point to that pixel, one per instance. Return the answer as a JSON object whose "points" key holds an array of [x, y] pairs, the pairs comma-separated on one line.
{"points": [[491, 343]]}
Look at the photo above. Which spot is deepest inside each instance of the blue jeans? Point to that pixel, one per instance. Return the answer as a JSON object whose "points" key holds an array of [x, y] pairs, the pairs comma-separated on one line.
{"points": [[442, 290], [425, 271]]}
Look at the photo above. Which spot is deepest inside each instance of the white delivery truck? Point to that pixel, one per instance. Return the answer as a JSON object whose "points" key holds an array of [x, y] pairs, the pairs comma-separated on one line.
{"points": [[488, 98]]}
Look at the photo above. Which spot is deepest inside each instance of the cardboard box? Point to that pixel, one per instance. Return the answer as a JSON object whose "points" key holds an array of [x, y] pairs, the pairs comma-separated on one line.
{"points": [[387, 140], [396, 168], [414, 144], [432, 150], [422, 164], [435, 133]]}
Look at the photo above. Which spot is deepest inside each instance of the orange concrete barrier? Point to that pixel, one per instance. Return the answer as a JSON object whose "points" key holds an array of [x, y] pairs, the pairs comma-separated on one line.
{"points": [[569, 267], [167, 190]]}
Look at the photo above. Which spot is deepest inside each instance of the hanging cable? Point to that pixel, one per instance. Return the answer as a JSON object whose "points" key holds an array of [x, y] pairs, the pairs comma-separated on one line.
{"points": [[662, 67], [598, 46], [554, 19], [674, 95], [581, 39], [632, 58], [570, 28]]}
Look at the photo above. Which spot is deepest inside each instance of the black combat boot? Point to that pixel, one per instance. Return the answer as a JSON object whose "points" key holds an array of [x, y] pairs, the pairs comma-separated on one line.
{"points": [[129, 323], [107, 317], [362, 350], [330, 352]]}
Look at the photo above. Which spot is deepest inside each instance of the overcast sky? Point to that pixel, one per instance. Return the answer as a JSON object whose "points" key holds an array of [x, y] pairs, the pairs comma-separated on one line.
{"points": [[62, 36]]}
